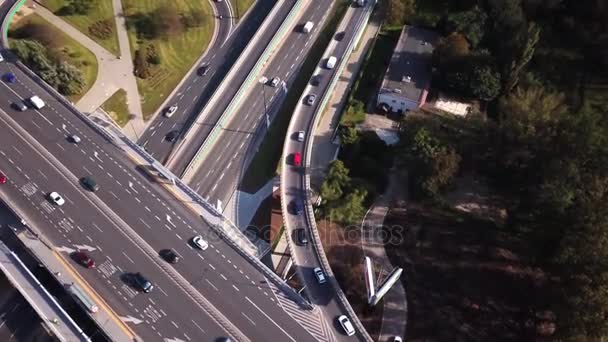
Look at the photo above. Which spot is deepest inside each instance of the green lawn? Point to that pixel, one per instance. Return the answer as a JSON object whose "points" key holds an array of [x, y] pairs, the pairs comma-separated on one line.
{"points": [[241, 6], [67, 48], [102, 11], [177, 54], [116, 106]]}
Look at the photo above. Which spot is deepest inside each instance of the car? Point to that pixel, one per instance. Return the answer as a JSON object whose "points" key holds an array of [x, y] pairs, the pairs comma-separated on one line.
{"points": [[1, 58], [220, 17], [397, 339], [301, 238], [142, 283], [297, 159], [9, 77], [316, 80], [56, 198], [275, 82], [339, 36], [203, 70], [3, 178], [297, 207], [83, 259], [169, 255], [20, 106], [171, 136], [346, 325], [74, 138], [89, 183], [170, 111], [319, 275], [300, 136], [310, 100], [200, 243]]}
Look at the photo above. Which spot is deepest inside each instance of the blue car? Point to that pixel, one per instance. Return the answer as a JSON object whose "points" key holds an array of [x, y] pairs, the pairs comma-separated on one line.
{"points": [[10, 77]]}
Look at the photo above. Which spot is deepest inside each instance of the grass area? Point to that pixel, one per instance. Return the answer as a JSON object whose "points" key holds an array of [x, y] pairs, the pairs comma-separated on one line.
{"points": [[241, 6], [101, 11], [66, 48], [264, 164], [116, 106], [177, 54]]}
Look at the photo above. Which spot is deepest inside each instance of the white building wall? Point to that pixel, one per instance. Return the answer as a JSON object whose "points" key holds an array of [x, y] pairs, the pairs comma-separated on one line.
{"points": [[396, 103]]}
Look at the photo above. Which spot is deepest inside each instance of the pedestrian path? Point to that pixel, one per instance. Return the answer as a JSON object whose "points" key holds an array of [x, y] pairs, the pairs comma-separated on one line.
{"points": [[114, 72]]}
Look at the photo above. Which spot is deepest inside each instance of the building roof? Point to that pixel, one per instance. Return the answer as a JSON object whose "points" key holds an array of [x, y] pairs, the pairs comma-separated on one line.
{"points": [[409, 71]]}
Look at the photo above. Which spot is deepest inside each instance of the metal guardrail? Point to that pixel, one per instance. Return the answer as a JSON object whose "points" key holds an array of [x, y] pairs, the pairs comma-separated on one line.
{"points": [[307, 159], [236, 100]]}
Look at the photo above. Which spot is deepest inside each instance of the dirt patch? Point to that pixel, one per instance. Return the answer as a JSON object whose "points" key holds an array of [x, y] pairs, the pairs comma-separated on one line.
{"points": [[343, 248], [466, 279], [472, 195], [23, 12]]}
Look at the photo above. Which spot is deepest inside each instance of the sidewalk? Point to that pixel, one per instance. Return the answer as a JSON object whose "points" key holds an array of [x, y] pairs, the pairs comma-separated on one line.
{"points": [[50, 312], [394, 316], [324, 150], [113, 73]]}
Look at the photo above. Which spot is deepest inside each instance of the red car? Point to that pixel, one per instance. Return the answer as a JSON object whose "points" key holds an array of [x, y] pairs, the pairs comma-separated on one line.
{"points": [[83, 259], [2, 178], [297, 159]]}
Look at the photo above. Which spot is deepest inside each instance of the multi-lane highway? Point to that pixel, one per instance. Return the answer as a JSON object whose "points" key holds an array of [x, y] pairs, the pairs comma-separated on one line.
{"points": [[293, 185], [195, 90], [230, 283], [219, 175]]}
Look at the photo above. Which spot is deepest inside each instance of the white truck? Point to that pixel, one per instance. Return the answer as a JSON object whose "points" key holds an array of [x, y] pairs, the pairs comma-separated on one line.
{"points": [[331, 62], [308, 27], [36, 102]]}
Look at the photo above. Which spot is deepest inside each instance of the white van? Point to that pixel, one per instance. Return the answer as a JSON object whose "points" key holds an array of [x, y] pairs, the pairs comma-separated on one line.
{"points": [[331, 62], [36, 102], [308, 27]]}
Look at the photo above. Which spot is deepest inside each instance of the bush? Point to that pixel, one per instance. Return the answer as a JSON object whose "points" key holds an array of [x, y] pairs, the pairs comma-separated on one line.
{"points": [[141, 65], [102, 29], [77, 7], [194, 19], [70, 80], [152, 55]]}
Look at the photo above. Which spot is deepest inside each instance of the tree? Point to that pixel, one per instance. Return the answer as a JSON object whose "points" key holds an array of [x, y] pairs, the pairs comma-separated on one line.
{"points": [[399, 10], [471, 23], [78, 7], [168, 21], [71, 81], [526, 54], [337, 180], [349, 136], [350, 210], [451, 48], [485, 83]]}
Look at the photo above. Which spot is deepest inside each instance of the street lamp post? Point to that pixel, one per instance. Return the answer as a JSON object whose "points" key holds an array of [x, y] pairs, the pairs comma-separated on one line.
{"points": [[263, 81]]}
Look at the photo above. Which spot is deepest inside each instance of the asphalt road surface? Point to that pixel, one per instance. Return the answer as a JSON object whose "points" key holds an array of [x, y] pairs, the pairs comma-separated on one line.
{"points": [[220, 274], [196, 90]]}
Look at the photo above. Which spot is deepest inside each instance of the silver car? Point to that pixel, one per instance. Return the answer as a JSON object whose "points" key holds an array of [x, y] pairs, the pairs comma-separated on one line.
{"points": [[311, 99]]}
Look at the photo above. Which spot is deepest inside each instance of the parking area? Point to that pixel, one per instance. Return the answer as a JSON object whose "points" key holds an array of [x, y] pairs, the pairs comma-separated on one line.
{"points": [[18, 321]]}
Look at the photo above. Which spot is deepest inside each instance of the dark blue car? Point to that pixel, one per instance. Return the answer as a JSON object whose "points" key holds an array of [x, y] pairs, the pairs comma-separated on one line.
{"points": [[10, 77]]}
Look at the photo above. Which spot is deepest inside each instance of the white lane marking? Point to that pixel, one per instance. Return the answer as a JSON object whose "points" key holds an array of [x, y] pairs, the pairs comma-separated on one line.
{"points": [[249, 319], [113, 194], [97, 227], [145, 224], [198, 326], [42, 174], [87, 170], [210, 284], [270, 319], [14, 148], [236, 288], [61, 147], [175, 324], [179, 237], [148, 209], [211, 266], [163, 291], [223, 276], [126, 256]]}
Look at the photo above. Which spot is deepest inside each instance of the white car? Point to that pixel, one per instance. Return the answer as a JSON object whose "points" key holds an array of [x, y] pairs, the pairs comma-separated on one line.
{"points": [[74, 139], [1, 58], [199, 242], [397, 339], [275, 82], [346, 325], [301, 136], [56, 198], [319, 275], [169, 113]]}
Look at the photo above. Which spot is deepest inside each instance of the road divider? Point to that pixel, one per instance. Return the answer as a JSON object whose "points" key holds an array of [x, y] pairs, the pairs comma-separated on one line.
{"points": [[252, 78]]}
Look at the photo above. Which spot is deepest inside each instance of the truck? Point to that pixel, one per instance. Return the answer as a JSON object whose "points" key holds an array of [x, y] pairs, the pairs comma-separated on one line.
{"points": [[360, 3], [331, 62], [308, 27], [36, 102]]}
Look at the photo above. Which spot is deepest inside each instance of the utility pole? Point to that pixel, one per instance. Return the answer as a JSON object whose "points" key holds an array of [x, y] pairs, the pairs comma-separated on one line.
{"points": [[263, 81]]}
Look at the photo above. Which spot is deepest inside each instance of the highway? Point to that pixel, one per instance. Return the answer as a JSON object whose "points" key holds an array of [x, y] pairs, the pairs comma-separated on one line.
{"points": [[293, 187], [220, 173], [229, 282], [196, 90]]}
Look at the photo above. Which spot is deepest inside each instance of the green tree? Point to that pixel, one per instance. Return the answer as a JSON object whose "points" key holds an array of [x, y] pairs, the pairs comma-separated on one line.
{"points": [[71, 81], [399, 10], [349, 136], [451, 48], [350, 210], [471, 23], [485, 83], [336, 181], [526, 54]]}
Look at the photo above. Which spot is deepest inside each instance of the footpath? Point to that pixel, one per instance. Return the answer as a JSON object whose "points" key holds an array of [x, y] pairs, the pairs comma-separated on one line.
{"points": [[394, 316], [115, 72]]}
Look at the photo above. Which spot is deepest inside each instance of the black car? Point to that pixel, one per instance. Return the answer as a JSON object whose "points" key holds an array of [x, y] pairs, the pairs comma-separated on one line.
{"points": [[316, 79], [171, 136], [301, 238], [142, 283], [169, 255], [20, 106], [89, 183], [203, 70], [297, 207]]}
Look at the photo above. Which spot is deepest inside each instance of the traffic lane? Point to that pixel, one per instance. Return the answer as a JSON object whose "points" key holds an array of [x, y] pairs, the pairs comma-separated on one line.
{"points": [[190, 99], [188, 151], [59, 147], [289, 56], [92, 228]]}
